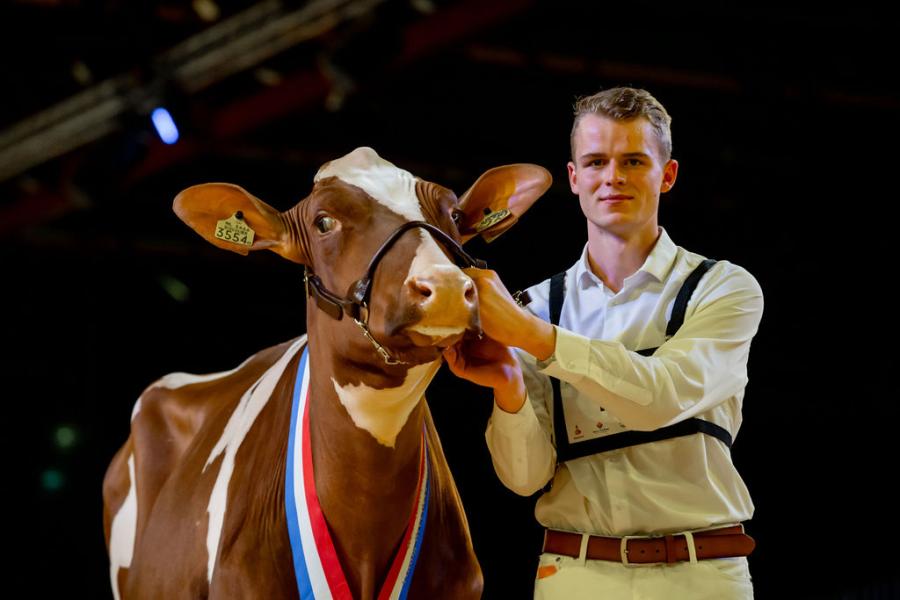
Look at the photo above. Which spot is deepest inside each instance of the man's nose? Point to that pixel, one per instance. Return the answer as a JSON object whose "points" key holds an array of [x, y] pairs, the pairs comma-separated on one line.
{"points": [[614, 174]]}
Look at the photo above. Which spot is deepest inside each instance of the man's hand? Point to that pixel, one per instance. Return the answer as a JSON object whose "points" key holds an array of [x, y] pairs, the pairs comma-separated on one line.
{"points": [[491, 364], [505, 321]]}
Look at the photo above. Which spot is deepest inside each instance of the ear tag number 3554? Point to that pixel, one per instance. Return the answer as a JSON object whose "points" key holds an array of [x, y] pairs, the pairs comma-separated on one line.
{"points": [[235, 230]]}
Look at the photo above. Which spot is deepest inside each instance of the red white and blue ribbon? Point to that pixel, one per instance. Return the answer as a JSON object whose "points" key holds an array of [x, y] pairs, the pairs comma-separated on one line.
{"points": [[316, 565]]}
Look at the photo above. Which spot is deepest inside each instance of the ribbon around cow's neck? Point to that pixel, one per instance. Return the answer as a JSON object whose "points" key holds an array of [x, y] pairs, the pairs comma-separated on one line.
{"points": [[316, 566]]}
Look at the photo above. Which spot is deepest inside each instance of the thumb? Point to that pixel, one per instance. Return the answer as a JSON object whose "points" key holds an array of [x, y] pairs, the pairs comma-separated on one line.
{"points": [[450, 353]]}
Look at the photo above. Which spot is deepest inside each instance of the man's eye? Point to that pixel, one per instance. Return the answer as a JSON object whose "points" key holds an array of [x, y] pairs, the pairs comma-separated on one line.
{"points": [[597, 162], [325, 224], [634, 162]]}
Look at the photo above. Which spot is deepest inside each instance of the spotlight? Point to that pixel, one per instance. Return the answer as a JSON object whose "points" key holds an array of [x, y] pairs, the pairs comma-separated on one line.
{"points": [[52, 480], [65, 436], [165, 125]]}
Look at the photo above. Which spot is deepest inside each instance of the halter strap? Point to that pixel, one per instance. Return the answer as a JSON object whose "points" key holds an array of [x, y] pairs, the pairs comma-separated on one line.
{"points": [[356, 302]]}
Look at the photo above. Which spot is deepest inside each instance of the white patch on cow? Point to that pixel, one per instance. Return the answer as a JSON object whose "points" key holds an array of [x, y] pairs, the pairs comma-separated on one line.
{"points": [[122, 532], [429, 256], [438, 333], [389, 185], [395, 189], [384, 412], [174, 381], [239, 424]]}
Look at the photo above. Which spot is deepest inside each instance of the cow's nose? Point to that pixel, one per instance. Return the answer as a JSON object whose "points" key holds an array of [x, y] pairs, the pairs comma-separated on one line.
{"points": [[447, 303], [441, 286]]}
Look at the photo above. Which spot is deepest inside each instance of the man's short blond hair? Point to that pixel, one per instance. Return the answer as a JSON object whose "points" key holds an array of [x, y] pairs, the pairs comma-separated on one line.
{"points": [[626, 104]]}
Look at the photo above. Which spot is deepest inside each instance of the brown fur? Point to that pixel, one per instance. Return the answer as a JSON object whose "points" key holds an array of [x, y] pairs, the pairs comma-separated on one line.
{"points": [[366, 489]]}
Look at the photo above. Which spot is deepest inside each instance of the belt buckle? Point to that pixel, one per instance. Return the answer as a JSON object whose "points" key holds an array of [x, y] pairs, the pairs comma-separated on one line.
{"points": [[623, 549]]}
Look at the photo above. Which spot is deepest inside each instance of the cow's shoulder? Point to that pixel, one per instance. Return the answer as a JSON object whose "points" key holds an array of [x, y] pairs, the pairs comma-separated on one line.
{"points": [[177, 423], [196, 387], [183, 402], [171, 415]]}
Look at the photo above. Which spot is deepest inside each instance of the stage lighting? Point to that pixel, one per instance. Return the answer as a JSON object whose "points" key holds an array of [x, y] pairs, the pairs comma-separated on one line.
{"points": [[165, 125]]}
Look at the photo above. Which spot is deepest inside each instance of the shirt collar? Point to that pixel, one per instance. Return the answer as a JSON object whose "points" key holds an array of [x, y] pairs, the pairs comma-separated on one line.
{"points": [[658, 263], [661, 258]]}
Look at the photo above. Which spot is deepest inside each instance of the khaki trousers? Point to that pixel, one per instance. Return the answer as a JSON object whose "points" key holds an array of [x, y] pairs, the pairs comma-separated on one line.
{"points": [[567, 578]]}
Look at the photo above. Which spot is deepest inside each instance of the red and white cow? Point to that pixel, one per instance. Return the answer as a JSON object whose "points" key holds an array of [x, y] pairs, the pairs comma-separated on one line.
{"points": [[195, 502]]}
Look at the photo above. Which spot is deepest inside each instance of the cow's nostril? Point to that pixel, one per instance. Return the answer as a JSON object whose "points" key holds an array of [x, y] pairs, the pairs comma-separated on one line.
{"points": [[469, 291], [421, 287]]}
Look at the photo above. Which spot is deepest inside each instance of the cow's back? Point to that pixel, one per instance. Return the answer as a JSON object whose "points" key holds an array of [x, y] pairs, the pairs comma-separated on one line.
{"points": [[182, 454]]}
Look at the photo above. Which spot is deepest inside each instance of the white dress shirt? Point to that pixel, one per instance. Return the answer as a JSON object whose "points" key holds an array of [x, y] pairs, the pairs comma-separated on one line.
{"points": [[678, 484]]}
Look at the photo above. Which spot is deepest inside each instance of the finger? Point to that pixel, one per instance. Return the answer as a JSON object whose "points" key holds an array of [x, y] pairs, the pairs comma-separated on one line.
{"points": [[480, 275], [455, 360]]}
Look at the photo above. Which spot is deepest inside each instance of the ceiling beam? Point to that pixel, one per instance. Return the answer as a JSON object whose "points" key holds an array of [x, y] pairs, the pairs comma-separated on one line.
{"points": [[235, 44]]}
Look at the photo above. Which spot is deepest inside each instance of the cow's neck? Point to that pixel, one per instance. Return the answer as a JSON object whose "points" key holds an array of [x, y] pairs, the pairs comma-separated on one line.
{"points": [[366, 460]]}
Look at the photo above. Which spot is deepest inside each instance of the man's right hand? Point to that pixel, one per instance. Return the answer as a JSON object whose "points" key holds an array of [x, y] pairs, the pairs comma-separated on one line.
{"points": [[506, 321], [489, 363]]}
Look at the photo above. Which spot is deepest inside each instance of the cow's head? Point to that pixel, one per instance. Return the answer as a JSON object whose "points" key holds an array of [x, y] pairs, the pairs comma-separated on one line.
{"points": [[420, 300]]}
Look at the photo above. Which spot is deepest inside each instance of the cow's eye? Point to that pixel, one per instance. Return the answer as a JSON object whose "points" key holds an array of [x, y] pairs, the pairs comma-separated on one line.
{"points": [[325, 223], [457, 216]]}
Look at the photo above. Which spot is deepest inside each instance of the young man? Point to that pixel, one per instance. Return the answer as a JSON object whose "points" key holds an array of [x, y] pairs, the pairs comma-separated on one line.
{"points": [[644, 500]]}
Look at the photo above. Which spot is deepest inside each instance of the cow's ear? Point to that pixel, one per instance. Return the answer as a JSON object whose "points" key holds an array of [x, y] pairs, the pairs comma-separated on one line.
{"points": [[500, 196], [229, 217]]}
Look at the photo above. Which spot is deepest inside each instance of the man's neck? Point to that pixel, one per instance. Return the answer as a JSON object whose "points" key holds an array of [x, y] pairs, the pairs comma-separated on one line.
{"points": [[613, 257]]}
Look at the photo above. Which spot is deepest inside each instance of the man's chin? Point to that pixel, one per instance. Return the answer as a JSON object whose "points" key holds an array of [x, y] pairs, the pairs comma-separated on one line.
{"points": [[624, 225]]}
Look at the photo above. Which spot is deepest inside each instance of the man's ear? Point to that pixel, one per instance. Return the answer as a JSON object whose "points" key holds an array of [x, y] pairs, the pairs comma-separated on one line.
{"points": [[572, 171], [229, 217], [670, 174], [499, 197]]}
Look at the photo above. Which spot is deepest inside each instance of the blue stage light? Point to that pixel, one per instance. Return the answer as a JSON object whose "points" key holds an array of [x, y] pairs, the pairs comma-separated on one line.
{"points": [[165, 125]]}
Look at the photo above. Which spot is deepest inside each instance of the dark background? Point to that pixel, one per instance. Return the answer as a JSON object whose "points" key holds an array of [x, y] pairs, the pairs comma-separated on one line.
{"points": [[785, 127]]}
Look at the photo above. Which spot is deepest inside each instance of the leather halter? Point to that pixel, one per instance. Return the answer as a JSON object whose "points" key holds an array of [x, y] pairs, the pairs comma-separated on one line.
{"points": [[356, 303]]}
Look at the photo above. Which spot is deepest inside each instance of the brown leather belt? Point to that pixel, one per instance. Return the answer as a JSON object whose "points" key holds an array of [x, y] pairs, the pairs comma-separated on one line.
{"points": [[716, 543]]}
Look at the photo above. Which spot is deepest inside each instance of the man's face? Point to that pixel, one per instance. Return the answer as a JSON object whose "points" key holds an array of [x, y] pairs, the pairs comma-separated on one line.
{"points": [[618, 174]]}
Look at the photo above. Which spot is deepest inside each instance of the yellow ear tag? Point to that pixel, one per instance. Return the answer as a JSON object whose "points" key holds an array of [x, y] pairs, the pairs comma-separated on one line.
{"points": [[235, 230], [492, 218]]}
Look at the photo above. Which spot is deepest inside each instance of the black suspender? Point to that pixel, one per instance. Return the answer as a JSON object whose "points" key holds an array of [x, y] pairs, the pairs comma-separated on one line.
{"points": [[557, 294], [684, 295], [568, 451]]}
